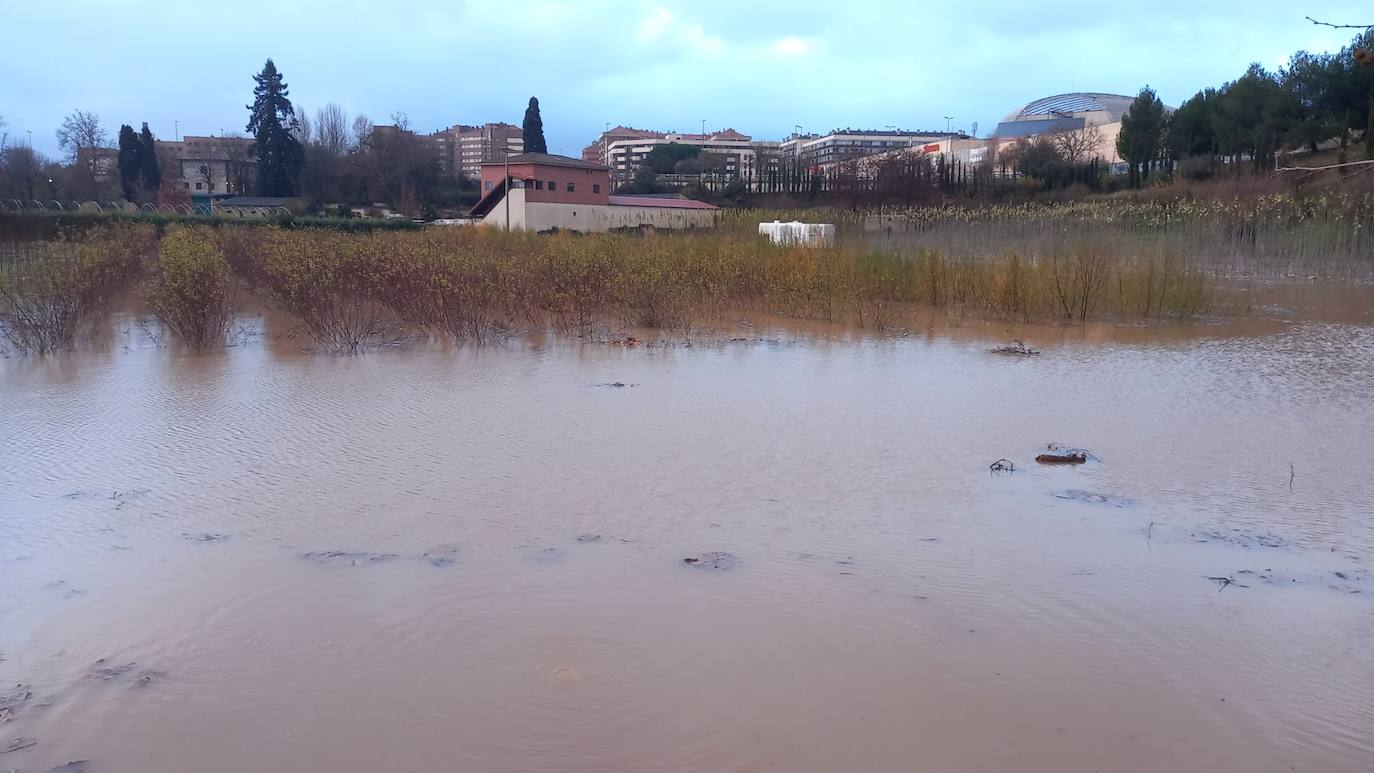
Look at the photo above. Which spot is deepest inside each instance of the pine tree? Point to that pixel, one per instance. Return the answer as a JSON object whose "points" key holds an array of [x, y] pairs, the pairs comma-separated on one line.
{"points": [[1143, 130], [273, 124], [130, 162], [149, 169], [533, 129]]}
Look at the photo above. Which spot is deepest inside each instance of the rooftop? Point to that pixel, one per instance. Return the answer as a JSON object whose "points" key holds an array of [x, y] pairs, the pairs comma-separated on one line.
{"points": [[548, 159], [656, 201], [1115, 105]]}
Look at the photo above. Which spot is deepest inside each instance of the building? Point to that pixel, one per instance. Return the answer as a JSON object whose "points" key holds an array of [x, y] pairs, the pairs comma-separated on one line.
{"points": [[461, 149], [549, 192], [1063, 112], [738, 155], [820, 152], [209, 166]]}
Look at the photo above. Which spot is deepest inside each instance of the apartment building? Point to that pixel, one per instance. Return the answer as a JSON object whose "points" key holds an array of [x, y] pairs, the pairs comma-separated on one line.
{"points": [[209, 165], [822, 151], [740, 155], [461, 149]]}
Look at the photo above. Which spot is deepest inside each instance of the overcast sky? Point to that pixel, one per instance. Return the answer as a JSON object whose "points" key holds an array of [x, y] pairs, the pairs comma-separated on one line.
{"points": [[760, 67]]}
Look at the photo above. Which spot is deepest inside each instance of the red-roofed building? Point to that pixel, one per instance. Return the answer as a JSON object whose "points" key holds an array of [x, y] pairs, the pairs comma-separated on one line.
{"points": [[545, 192]]}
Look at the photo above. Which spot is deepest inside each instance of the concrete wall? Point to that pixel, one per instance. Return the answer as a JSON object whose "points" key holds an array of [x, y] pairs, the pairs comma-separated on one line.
{"points": [[593, 218]]}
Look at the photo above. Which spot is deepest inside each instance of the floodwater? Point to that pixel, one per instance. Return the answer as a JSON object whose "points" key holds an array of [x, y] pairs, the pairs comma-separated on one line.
{"points": [[471, 559]]}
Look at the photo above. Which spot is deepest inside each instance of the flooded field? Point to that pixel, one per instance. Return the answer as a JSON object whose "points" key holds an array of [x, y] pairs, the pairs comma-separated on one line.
{"points": [[477, 558]]}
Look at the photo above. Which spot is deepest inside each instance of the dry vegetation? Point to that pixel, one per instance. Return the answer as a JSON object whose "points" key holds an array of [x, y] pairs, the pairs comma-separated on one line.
{"points": [[1137, 260]]}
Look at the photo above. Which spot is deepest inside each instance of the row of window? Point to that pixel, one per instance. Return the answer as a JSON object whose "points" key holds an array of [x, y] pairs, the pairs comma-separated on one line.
{"points": [[539, 185]]}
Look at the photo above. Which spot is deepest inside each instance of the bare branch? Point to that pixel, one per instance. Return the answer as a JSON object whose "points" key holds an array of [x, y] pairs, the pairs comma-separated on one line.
{"points": [[1339, 26]]}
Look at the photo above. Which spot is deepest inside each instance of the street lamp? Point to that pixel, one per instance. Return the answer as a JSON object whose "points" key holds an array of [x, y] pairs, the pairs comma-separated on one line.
{"points": [[948, 118]]}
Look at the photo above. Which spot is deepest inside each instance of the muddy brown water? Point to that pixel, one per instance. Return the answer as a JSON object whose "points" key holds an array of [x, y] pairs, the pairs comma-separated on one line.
{"points": [[471, 559]]}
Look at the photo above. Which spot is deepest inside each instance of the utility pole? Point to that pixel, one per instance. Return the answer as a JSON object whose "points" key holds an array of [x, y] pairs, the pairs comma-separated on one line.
{"points": [[507, 196]]}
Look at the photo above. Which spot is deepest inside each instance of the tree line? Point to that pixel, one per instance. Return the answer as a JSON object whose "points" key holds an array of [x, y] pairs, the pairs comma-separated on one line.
{"points": [[327, 159]]}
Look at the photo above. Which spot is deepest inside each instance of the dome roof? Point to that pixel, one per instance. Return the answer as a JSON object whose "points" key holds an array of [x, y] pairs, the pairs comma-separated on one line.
{"points": [[1114, 105]]}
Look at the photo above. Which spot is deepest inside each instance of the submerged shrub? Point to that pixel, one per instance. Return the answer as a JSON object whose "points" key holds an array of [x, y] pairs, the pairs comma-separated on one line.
{"points": [[45, 296], [190, 293]]}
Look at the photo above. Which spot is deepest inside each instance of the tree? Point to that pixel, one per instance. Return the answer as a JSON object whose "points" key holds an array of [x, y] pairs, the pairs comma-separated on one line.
{"points": [[1079, 145], [644, 180], [130, 163], [272, 121], [663, 159], [148, 165], [533, 129], [205, 172], [80, 135], [1143, 129]]}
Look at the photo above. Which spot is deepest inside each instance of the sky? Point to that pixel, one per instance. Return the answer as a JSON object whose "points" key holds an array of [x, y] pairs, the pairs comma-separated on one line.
{"points": [[762, 67]]}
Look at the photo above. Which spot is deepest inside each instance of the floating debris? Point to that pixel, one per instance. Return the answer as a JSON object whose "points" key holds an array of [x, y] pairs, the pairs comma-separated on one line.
{"points": [[617, 385], [1058, 453], [15, 744], [1089, 497], [441, 557], [589, 538], [1225, 582], [713, 560], [352, 558], [204, 536], [105, 673], [1002, 465], [1017, 348], [76, 766]]}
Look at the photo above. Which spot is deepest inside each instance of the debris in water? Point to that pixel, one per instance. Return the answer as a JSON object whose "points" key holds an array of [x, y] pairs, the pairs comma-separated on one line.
{"points": [[589, 538], [106, 673], [1017, 347], [713, 560], [205, 536], [1057, 453], [1242, 537], [1078, 495], [76, 766], [1002, 465], [1225, 582], [15, 744], [441, 556], [342, 556], [616, 384]]}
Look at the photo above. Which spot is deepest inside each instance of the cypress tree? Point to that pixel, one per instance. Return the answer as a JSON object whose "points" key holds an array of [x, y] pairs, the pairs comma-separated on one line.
{"points": [[130, 162], [272, 121], [149, 169], [533, 129]]}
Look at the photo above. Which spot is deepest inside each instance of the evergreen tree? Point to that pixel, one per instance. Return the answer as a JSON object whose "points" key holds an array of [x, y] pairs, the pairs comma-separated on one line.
{"points": [[1143, 129], [273, 123], [130, 162], [533, 129], [149, 169]]}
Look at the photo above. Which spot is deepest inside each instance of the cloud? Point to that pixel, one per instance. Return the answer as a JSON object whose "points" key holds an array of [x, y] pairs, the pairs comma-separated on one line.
{"points": [[792, 46], [653, 27]]}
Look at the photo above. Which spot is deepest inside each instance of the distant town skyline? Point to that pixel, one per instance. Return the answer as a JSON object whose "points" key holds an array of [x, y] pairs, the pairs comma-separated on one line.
{"points": [[764, 69]]}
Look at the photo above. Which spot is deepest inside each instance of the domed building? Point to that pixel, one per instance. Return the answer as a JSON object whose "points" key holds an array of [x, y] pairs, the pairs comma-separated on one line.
{"points": [[1064, 112]]}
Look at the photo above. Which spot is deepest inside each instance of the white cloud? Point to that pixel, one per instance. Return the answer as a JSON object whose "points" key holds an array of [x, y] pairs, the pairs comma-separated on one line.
{"points": [[655, 25], [792, 46]]}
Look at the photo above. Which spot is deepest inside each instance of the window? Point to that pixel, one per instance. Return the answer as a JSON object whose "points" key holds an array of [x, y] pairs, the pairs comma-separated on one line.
{"points": [[539, 185], [553, 186], [488, 184], [570, 187], [188, 185], [596, 188], [198, 186]]}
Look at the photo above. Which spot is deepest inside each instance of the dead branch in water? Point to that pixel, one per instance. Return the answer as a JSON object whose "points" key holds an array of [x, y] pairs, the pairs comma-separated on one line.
{"points": [[1225, 582], [1017, 347], [1002, 465]]}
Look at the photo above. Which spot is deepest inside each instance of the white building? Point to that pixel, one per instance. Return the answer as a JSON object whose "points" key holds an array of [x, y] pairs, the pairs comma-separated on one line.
{"points": [[740, 155], [821, 152]]}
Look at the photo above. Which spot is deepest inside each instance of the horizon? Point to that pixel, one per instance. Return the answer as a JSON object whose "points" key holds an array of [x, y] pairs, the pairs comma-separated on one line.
{"points": [[762, 71]]}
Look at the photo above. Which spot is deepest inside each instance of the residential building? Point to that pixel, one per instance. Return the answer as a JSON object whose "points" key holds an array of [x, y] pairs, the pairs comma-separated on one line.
{"points": [[461, 149], [548, 192], [820, 152], [739, 155], [211, 166]]}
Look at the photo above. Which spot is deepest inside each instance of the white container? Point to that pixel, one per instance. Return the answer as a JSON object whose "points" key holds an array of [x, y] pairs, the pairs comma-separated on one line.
{"points": [[798, 233]]}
